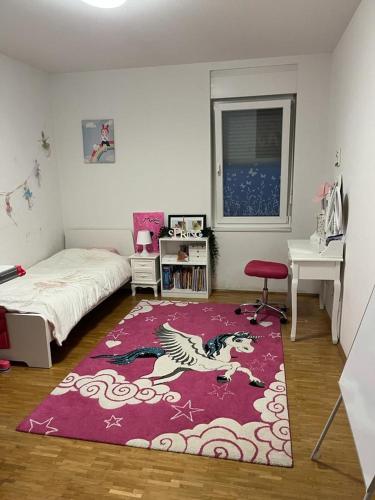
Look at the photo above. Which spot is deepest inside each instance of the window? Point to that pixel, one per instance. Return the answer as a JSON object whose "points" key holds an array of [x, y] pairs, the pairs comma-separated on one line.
{"points": [[253, 163]]}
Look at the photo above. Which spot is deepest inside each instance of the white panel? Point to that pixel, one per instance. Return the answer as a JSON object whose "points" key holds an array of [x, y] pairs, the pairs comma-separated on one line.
{"points": [[353, 112], [120, 239], [256, 81], [357, 389]]}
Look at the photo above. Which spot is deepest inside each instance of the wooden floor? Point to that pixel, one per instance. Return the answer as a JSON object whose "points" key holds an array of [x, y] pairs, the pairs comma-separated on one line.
{"points": [[39, 467]]}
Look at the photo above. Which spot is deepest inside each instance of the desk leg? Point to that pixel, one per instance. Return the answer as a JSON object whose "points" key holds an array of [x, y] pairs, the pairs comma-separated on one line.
{"points": [[335, 311], [294, 308], [289, 297], [322, 294]]}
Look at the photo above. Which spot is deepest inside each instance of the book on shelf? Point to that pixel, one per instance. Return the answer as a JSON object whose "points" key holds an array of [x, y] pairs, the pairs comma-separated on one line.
{"points": [[184, 278]]}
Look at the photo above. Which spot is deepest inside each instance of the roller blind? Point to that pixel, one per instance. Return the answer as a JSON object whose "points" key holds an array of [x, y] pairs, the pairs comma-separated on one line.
{"points": [[253, 134]]}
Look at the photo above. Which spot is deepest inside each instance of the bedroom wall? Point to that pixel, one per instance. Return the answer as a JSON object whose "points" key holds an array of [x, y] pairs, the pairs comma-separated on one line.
{"points": [[30, 235], [163, 152], [353, 125]]}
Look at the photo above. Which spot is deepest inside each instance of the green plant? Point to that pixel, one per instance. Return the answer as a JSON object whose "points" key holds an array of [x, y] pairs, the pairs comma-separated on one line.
{"points": [[209, 233], [164, 232]]}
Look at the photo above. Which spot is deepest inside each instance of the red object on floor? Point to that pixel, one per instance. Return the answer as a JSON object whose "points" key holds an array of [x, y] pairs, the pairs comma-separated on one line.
{"points": [[265, 269], [20, 271], [4, 337], [4, 365]]}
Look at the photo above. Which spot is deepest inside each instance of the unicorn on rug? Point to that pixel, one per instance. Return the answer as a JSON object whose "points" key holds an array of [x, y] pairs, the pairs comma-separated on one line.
{"points": [[181, 352]]}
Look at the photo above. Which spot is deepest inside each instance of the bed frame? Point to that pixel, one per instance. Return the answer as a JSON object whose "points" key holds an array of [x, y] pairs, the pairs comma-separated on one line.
{"points": [[30, 334]]}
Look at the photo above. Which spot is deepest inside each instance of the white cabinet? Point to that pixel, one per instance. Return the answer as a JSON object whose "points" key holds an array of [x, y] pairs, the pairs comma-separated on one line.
{"points": [[145, 271], [190, 278]]}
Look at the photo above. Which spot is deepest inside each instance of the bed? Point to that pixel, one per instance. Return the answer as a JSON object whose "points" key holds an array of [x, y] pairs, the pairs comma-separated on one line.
{"points": [[57, 292]]}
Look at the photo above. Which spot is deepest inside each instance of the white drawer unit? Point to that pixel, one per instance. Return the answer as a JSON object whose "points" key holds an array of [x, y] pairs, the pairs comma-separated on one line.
{"points": [[143, 276], [141, 265], [145, 271]]}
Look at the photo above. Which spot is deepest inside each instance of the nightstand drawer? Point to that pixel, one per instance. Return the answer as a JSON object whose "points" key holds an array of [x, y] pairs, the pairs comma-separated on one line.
{"points": [[142, 265], [143, 276]]}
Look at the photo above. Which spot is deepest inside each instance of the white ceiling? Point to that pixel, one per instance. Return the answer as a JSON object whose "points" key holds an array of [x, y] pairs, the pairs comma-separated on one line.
{"points": [[69, 35]]}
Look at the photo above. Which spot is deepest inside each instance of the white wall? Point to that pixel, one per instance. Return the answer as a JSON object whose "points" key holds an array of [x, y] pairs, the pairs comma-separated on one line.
{"points": [[24, 105], [163, 152], [162, 121], [353, 129]]}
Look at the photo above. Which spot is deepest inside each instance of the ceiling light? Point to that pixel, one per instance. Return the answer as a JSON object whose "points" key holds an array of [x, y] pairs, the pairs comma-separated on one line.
{"points": [[105, 4]]}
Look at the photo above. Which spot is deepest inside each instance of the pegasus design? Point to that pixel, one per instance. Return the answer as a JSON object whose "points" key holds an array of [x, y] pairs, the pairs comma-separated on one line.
{"points": [[181, 352]]}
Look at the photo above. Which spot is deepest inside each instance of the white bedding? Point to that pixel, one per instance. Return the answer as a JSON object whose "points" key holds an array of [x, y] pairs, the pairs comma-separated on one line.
{"points": [[66, 286]]}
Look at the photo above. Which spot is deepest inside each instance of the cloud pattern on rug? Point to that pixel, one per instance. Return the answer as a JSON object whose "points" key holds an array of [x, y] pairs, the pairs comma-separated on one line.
{"points": [[114, 391], [262, 442]]}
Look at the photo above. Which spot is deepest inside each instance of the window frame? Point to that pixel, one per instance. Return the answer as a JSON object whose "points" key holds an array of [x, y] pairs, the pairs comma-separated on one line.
{"points": [[282, 222]]}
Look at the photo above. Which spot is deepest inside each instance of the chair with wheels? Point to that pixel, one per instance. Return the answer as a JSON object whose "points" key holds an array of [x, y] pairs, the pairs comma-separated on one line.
{"points": [[266, 270]]}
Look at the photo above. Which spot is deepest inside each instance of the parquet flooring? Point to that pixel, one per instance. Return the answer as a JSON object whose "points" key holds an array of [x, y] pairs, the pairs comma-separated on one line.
{"points": [[43, 468]]}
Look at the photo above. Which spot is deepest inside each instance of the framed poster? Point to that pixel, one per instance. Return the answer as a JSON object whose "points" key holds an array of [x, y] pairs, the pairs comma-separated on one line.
{"points": [[98, 141], [152, 221]]}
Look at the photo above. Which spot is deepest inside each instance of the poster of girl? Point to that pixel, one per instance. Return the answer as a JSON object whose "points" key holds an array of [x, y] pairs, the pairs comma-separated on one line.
{"points": [[98, 141]]}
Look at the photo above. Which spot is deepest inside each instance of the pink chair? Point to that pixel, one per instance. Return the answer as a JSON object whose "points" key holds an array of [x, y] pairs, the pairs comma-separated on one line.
{"points": [[265, 270]]}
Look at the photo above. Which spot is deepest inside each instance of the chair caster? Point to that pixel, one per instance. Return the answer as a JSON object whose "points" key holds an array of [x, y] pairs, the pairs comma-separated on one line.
{"points": [[237, 311], [283, 320], [253, 321]]}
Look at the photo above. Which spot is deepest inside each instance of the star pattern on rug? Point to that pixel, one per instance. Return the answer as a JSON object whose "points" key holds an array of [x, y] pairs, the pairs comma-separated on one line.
{"points": [[257, 365], [117, 335], [207, 309], [218, 317], [36, 426], [151, 318], [173, 317], [220, 391], [114, 336], [274, 335], [185, 411], [269, 357], [229, 323], [113, 421]]}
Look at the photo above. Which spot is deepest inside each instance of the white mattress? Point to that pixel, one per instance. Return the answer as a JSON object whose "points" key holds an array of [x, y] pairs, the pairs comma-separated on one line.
{"points": [[66, 286]]}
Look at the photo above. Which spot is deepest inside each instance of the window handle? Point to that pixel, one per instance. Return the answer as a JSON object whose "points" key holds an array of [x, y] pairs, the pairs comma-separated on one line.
{"points": [[218, 169]]}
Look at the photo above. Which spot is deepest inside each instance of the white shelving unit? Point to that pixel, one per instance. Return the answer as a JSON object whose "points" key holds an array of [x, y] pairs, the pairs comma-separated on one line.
{"points": [[169, 248]]}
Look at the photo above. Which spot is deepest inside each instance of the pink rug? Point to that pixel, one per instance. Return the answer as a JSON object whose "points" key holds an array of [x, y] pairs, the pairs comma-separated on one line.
{"points": [[178, 376]]}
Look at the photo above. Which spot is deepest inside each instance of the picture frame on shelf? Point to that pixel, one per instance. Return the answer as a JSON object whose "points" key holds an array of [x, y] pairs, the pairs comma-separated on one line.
{"points": [[191, 223]]}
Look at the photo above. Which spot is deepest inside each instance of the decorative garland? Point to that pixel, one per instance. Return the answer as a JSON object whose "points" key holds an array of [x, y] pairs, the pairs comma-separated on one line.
{"points": [[209, 233], [24, 186]]}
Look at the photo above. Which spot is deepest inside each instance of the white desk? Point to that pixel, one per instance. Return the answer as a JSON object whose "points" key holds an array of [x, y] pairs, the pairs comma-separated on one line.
{"points": [[308, 264]]}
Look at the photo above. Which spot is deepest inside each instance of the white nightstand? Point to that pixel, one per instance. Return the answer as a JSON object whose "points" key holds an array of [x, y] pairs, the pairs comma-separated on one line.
{"points": [[145, 271]]}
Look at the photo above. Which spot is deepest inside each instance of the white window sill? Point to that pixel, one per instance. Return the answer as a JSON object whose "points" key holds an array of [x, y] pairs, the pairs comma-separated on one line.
{"points": [[281, 228]]}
